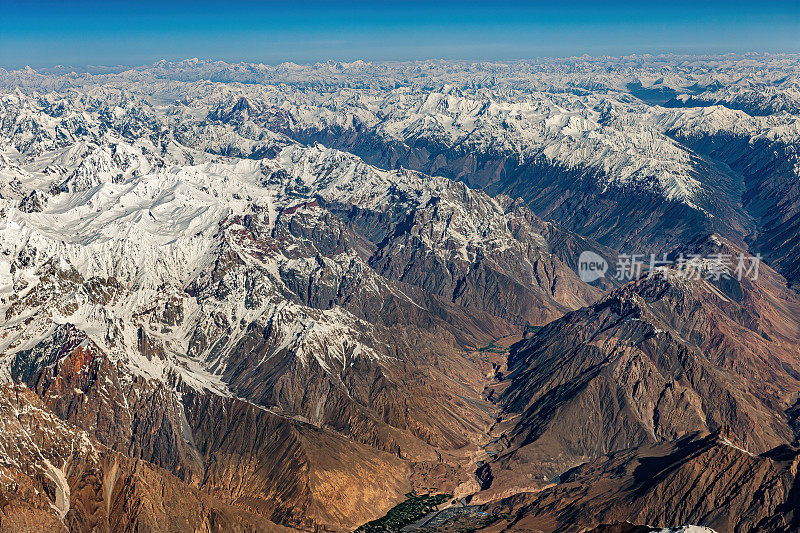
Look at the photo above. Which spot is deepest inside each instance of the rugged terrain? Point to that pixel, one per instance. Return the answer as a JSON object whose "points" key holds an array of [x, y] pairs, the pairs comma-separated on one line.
{"points": [[254, 298]]}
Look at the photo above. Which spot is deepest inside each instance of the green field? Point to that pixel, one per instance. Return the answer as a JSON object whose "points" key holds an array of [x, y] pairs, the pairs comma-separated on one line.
{"points": [[408, 512]]}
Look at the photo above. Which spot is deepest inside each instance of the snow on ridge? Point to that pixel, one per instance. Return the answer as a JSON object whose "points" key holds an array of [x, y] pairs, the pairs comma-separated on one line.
{"points": [[466, 219], [142, 182], [143, 223], [567, 130], [600, 129]]}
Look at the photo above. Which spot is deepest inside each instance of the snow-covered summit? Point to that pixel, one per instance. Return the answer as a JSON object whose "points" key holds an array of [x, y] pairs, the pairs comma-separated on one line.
{"points": [[160, 211]]}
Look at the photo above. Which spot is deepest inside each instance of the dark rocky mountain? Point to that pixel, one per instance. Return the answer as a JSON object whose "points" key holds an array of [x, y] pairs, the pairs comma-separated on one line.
{"points": [[763, 166], [647, 368]]}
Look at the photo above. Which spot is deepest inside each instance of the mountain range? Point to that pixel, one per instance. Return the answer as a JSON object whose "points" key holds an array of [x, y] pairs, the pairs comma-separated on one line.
{"points": [[238, 297]]}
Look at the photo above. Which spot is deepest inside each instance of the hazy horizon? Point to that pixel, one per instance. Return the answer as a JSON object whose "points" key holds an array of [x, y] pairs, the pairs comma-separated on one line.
{"points": [[86, 33], [99, 68]]}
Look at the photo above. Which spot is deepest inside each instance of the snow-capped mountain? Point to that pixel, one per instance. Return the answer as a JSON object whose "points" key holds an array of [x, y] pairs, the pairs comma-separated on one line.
{"points": [[144, 278], [303, 291]]}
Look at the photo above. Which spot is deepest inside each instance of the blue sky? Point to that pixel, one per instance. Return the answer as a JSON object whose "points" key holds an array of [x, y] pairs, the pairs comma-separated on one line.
{"points": [[81, 33]]}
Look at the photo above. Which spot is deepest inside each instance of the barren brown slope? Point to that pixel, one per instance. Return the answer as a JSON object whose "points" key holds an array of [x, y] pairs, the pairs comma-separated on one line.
{"points": [[652, 361], [698, 479], [56, 477], [255, 461]]}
